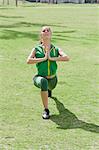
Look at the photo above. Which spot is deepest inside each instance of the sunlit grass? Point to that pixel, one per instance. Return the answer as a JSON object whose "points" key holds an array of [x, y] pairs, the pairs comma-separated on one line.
{"points": [[74, 121]]}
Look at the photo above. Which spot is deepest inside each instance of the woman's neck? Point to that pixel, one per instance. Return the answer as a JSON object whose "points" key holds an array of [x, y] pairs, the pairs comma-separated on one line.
{"points": [[46, 44]]}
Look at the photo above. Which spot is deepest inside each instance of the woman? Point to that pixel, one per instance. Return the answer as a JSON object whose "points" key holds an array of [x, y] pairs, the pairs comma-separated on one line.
{"points": [[45, 56]]}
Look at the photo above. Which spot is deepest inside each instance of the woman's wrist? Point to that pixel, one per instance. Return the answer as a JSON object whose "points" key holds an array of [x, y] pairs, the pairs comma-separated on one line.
{"points": [[53, 58]]}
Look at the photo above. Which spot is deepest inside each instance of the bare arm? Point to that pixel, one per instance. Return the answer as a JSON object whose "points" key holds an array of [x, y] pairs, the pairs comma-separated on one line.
{"points": [[62, 57], [32, 59]]}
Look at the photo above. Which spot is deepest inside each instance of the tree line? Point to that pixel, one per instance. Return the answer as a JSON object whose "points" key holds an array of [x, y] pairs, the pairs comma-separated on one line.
{"points": [[49, 1], [8, 2]]}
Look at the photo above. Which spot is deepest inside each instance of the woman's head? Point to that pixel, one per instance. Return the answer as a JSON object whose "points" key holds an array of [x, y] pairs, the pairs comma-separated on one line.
{"points": [[45, 33]]}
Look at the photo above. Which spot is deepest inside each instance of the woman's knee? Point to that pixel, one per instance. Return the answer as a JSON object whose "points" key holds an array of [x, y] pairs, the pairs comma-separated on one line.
{"points": [[52, 83], [44, 84]]}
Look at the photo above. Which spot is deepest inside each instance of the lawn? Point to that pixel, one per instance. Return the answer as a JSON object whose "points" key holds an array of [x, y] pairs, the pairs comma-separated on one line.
{"points": [[74, 122]]}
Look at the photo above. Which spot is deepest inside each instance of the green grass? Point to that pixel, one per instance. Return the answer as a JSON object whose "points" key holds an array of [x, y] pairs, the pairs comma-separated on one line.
{"points": [[74, 121]]}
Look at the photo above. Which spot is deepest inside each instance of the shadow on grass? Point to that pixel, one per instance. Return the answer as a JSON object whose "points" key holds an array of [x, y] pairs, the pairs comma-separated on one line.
{"points": [[2, 16], [20, 24], [68, 120], [8, 34], [29, 24], [67, 31], [11, 34]]}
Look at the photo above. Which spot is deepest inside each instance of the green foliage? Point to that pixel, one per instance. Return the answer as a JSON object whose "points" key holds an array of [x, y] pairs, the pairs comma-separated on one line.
{"points": [[74, 107]]}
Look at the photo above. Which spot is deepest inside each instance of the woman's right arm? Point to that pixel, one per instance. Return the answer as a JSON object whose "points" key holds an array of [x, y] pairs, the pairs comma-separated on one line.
{"points": [[32, 59]]}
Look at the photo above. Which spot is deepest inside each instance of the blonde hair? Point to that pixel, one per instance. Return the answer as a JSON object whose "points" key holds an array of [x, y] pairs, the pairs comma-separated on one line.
{"points": [[43, 28]]}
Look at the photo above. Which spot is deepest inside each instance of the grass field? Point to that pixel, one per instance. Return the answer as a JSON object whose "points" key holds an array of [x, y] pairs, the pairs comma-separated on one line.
{"points": [[74, 110]]}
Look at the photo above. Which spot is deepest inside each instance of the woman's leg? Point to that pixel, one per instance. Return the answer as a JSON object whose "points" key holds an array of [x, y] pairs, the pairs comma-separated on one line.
{"points": [[42, 83], [51, 85], [44, 96]]}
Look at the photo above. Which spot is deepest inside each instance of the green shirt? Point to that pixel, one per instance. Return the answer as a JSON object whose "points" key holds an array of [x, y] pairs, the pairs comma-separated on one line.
{"points": [[46, 68]]}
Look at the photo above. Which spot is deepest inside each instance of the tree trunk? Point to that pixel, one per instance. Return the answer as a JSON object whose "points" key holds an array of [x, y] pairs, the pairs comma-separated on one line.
{"points": [[3, 2], [7, 2], [56, 2], [16, 3]]}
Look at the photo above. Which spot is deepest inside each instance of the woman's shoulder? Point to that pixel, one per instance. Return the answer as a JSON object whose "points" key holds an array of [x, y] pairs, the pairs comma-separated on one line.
{"points": [[54, 47], [38, 47]]}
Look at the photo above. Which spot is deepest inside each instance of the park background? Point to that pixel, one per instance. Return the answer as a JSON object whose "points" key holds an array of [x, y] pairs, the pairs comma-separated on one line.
{"points": [[74, 110]]}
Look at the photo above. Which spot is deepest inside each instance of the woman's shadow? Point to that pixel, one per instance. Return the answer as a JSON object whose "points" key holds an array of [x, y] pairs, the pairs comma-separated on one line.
{"points": [[67, 120]]}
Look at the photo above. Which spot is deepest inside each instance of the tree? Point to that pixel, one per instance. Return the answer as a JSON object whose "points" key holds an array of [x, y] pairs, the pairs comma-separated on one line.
{"points": [[7, 2], [3, 2], [97, 1], [16, 2], [49, 1]]}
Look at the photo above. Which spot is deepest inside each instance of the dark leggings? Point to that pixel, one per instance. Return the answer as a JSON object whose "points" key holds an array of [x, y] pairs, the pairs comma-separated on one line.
{"points": [[44, 84]]}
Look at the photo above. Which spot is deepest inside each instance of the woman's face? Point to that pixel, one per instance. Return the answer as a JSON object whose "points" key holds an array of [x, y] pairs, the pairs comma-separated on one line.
{"points": [[46, 33]]}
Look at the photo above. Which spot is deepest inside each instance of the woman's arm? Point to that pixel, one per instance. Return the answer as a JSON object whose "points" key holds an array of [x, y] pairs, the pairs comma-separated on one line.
{"points": [[32, 59], [62, 57]]}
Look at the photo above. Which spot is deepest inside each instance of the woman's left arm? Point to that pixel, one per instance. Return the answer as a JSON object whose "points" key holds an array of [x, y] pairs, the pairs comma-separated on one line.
{"points": [[62, 57]]}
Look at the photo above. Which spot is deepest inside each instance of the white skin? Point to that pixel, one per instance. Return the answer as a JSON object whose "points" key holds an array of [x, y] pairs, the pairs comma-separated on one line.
{"points": [[46, 43]]}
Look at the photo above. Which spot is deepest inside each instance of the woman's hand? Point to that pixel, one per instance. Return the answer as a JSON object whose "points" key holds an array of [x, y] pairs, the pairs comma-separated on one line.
{"points": [[46, 55], [62, 57]]}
